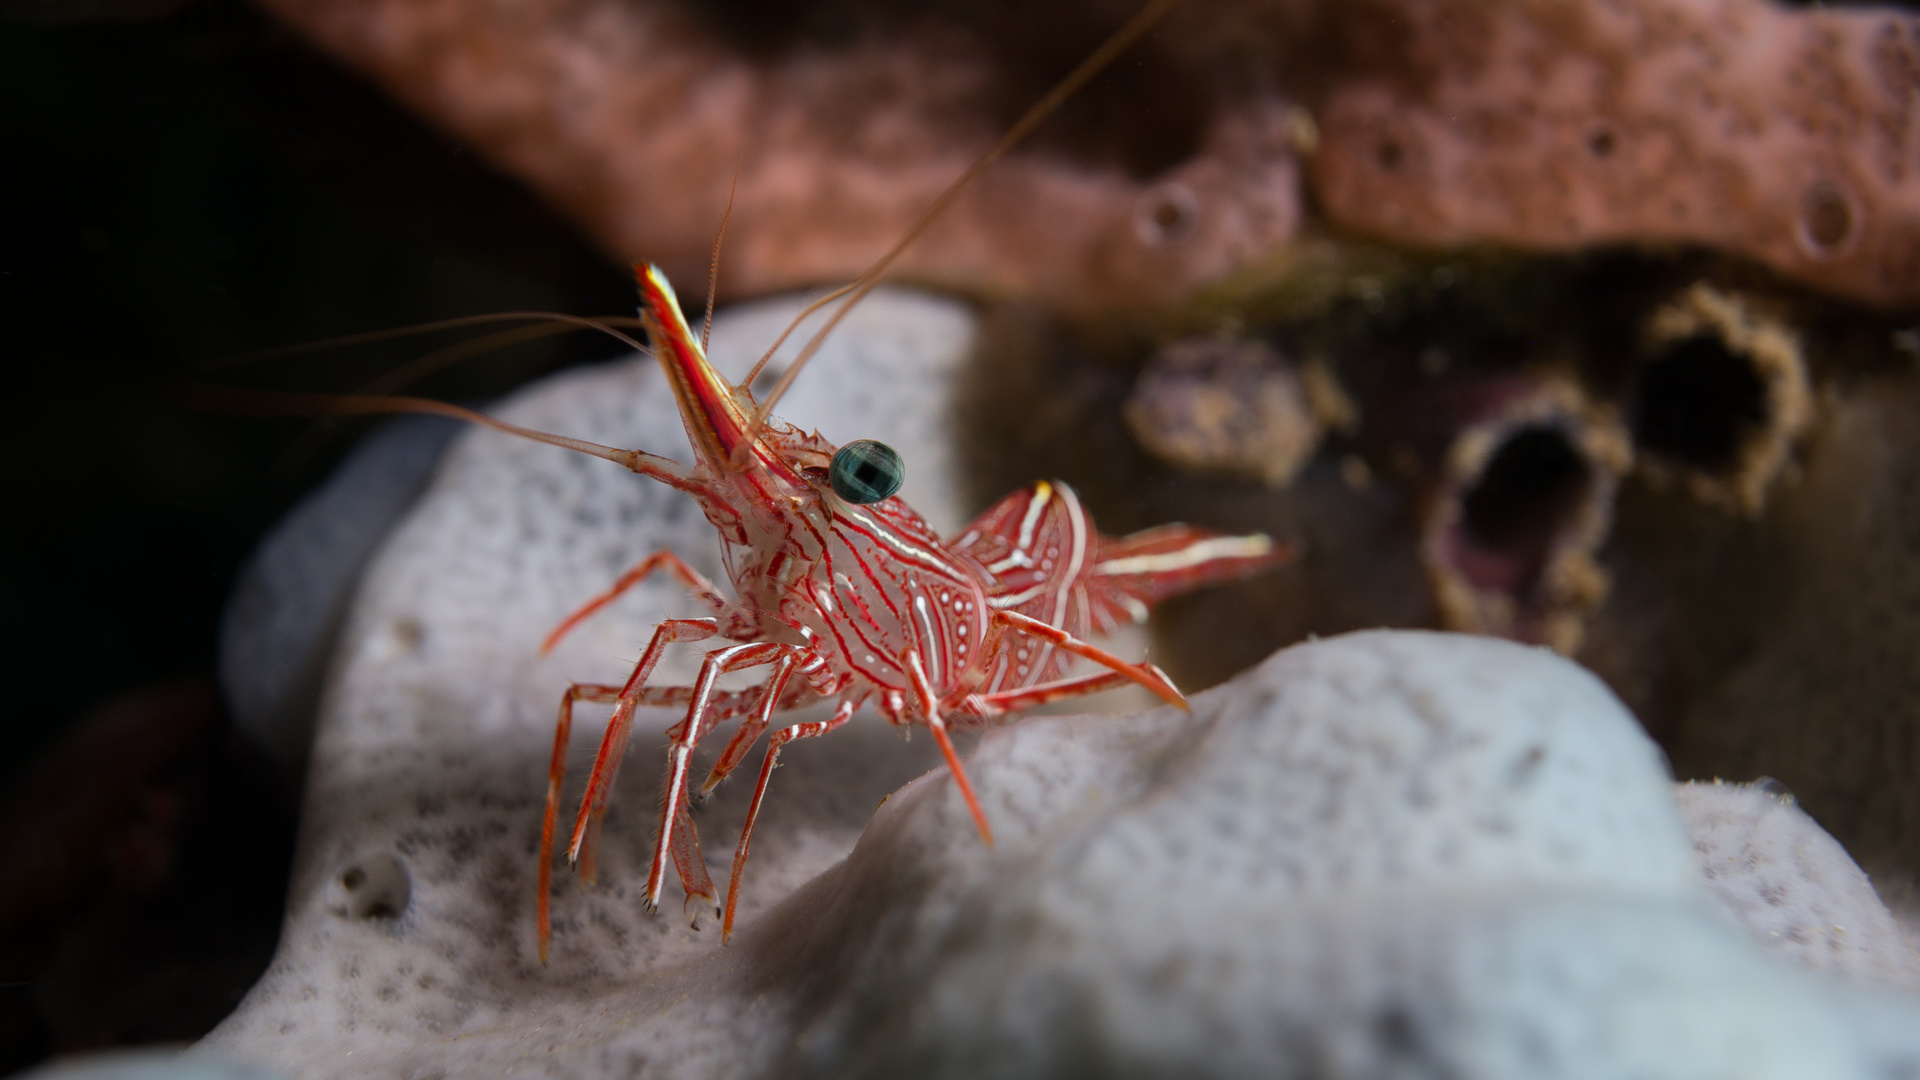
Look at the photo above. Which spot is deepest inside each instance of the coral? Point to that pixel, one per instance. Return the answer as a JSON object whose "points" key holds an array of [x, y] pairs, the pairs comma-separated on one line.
{"points": [[1789, 137], [1519, 468], [1413, 880]]}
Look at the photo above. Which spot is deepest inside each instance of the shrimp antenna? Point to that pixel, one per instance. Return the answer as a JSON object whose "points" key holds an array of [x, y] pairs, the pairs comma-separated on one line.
{"points": [[346, 341], [864, 284], [439, 359], [230, 400], [420, 367], [788, 332], [713, 272]]}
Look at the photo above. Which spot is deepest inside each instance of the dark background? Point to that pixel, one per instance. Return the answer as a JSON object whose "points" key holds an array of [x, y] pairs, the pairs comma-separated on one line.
{"points": [[178, 190]]}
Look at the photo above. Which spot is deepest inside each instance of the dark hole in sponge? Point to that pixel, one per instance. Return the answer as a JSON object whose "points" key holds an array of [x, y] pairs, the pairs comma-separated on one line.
{"points": [[1698, 403], [1826, 218], [375, 887], [1533, 484]]}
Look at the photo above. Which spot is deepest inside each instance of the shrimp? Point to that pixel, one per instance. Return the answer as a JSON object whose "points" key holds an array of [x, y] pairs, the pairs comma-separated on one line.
{"points": [[840, 592], [844, 594]]}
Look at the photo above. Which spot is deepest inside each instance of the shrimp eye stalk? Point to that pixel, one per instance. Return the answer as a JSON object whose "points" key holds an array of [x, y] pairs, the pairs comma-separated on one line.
{"points": [[866, 471]]}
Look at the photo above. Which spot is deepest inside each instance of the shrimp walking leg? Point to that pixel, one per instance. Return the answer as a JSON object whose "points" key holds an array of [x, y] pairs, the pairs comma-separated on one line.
{"points": [[676, 837], [1146, 675], [1026, 697], [724, 706], [613, 744], [812, 729], [702, 589], [557, 775], [776, 695], [930, 706]]}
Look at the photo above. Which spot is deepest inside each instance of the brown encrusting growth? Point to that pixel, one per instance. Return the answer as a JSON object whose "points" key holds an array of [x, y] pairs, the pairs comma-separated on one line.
{"points": [[1788, 137], [634, 118]]}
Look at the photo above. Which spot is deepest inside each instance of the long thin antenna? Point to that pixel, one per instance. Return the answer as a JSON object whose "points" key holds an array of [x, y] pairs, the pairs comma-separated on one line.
{"points": [[713, 272], [420, 367], [440, 359], [349, 340], [230, 400], [747, 383], [399, 378], [1091, 66]]}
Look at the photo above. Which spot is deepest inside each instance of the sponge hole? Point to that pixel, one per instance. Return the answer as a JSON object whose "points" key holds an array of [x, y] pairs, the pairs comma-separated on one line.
{"points": [[374, 887], [1698, 403], [1828, 220], [1531, 488], [1166, 214]]}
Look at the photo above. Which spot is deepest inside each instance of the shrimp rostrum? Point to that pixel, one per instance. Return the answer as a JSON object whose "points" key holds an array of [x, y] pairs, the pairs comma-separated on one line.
{"points": [[843, 594]]}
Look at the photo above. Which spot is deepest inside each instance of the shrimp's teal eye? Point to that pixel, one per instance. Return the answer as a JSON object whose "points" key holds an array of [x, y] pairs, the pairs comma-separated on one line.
{"points": [[866, 471]]}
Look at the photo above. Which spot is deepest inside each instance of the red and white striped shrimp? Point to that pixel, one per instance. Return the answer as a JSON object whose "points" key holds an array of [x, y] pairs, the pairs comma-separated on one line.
{"points": [[844, 594], [840, 592]]}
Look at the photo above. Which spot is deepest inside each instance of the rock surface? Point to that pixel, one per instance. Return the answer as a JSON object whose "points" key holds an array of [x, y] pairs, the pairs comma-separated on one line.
{"points": [[1385, 853]]}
